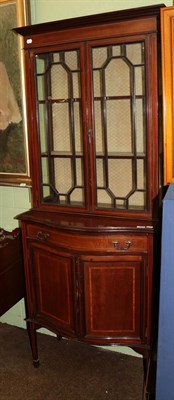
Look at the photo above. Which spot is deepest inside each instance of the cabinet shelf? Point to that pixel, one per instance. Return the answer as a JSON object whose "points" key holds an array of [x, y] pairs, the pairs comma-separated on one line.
{"points": [[109, 155], [120, 155], [62, 154], [96, 98], [52, 100], [128, 97]]}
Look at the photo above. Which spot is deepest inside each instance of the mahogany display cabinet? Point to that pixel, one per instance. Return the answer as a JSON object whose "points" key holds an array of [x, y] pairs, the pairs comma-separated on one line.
{"points": [[93, 87]]}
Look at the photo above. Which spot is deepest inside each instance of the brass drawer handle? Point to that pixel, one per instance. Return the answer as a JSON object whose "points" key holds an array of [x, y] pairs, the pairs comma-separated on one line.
{"points": [[42, 235], [118, 246]]}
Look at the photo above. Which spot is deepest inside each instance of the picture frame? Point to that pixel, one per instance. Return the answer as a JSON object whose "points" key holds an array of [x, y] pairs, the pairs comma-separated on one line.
{"points": [[14, 157], [167, 51]]}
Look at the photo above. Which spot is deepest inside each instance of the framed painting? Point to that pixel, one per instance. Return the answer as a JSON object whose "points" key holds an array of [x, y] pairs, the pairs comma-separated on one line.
{"points": [[14, 161]]}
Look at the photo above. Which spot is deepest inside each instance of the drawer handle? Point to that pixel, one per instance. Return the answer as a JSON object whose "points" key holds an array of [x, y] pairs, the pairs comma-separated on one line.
{"points": [[42, 235], [118, 246]]}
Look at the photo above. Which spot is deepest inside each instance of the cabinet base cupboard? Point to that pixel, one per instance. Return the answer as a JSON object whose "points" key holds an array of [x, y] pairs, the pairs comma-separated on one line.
{"points": [[92, 90]]}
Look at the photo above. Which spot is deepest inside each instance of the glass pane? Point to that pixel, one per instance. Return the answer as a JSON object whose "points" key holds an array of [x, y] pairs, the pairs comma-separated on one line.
{"points": [[46, 192], [63, 175], [59, 82], [116, 50], [99, 138], [135, 53], [45, 170], [139, 81], [120, 177], [77, 196], [103, 199], [78, 128], [40, 85], [140, 174], [119, 190], [119, 71], [100, 173], [42, 127], [60, 127], [79, 169], [137, 198], [120, 129], [140, 123], [71, 60], [40, 69], [99, 56]]}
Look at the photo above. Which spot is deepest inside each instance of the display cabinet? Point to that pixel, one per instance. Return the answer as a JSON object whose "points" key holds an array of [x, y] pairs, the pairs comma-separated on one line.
{"points": [[93, 118]]}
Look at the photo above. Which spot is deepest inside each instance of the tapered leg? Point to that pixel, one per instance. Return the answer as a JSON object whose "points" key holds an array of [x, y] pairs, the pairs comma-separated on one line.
{"points": [[31, 327], [146, 366], [149, 364]]}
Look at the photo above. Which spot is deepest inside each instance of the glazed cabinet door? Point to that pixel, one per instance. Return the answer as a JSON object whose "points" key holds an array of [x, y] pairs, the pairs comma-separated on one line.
{"points": [[50, 290], [123, 76], [114, 298], [60, 126], [94, 146]]}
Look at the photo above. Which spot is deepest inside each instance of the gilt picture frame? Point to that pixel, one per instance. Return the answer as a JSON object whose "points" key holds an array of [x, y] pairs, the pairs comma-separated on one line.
{"points": [[14, 158], [167, 62]]}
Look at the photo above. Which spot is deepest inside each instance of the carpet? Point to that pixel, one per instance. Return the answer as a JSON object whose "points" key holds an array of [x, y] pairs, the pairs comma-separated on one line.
{"points": [[69, 370]]}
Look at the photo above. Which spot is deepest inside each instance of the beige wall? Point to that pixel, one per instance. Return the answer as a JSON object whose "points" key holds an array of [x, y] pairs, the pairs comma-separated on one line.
{"points": [[60, 9], [16, 200]]}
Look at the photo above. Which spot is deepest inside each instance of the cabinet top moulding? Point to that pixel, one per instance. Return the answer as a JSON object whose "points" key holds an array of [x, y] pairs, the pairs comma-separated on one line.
{"points": [[94, 20], [94, 224]]}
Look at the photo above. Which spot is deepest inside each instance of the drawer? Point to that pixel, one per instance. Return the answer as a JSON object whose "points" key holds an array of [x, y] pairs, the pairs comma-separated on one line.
{"points": [[85, 242]]}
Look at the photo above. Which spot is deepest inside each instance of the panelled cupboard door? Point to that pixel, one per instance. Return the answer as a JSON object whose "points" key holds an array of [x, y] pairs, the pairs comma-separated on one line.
{"points": [[115, 298], [51, 279], [167, 49]]}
